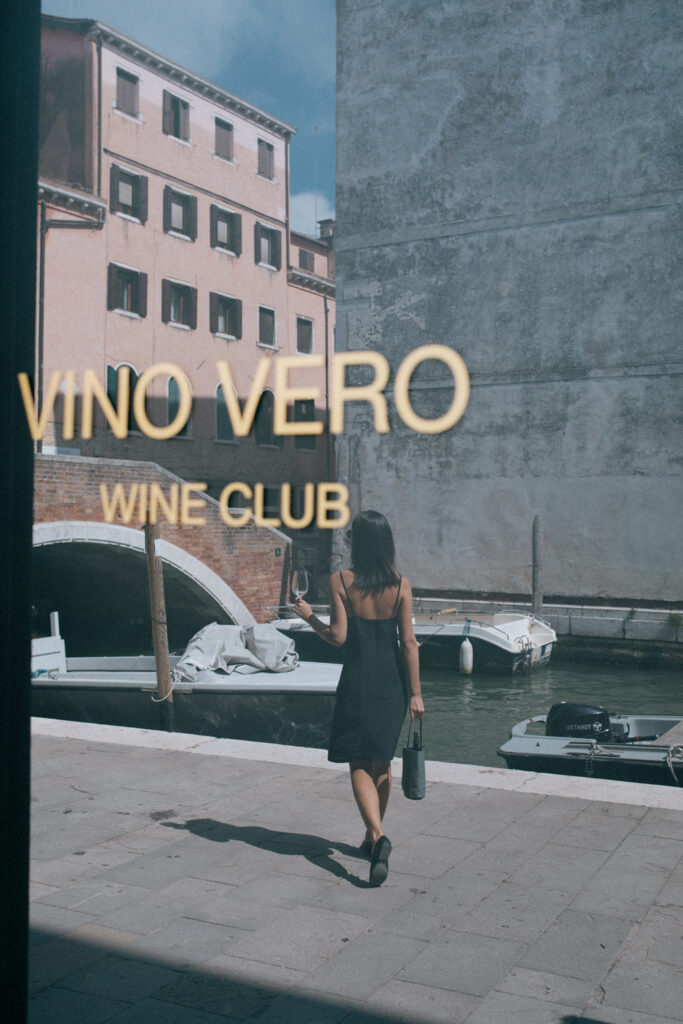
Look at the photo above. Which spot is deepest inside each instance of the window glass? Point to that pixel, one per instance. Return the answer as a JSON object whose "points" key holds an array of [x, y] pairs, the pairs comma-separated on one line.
{"points": [[224, 147], [266, 326], [304, 336], [126, 92]]}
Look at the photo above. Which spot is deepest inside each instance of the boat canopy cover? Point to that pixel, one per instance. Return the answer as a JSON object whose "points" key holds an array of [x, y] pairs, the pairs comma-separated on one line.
{"points": [[218, 648]]}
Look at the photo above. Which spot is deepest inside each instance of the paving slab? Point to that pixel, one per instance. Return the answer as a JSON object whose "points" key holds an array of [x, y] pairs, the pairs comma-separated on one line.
{"points": [[199, 881]]}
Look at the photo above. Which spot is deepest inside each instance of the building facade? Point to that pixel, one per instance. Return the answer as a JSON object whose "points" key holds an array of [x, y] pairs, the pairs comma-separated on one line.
{"points": [[516, 197], [183, 255]]}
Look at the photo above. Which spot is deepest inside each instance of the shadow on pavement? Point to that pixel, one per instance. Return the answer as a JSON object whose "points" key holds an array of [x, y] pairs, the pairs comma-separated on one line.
{"points": [[83, 980], [314, 848]]}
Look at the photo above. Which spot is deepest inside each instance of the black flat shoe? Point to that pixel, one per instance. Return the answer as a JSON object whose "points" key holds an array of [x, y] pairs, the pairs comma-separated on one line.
{"points": [[379, 868], [366, 847]]}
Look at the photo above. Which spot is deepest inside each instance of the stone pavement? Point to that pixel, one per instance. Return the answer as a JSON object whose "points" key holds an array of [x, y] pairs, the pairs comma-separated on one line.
{"points": [[192, 881]]}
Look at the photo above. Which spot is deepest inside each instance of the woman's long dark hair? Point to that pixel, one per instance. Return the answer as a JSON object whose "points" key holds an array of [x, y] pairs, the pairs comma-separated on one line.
{"points": [[372, 552]]}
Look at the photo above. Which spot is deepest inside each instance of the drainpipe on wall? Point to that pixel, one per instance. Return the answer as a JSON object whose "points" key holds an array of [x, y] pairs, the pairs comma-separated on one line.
{"points": [[99, 113], [287, 202]]}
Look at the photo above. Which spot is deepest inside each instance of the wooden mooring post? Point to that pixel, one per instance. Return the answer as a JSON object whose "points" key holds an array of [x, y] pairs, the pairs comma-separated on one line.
{"points": [[536, 567], [157, 606]]}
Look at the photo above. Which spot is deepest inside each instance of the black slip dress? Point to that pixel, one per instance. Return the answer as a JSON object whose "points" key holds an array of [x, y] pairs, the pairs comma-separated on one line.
{"points": [[372, 695]]}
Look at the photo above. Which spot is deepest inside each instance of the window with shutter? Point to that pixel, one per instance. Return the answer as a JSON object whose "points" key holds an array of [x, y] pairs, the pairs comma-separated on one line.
{"points": [[226, 230], [306, 260], [127, 92], [176, 116], [267, 246], [126, 290], [225, 315], [178, 304], [266, 327], [128, 193], [266, 159], [180, 213], [304, 336], [263, 422], [224, 137]]}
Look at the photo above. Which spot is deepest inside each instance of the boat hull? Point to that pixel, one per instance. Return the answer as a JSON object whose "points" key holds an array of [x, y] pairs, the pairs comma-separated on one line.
{"points": [[293, 719]]}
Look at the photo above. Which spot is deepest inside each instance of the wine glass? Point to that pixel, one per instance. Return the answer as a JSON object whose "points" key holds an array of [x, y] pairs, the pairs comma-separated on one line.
{"points": [[299, 583]]}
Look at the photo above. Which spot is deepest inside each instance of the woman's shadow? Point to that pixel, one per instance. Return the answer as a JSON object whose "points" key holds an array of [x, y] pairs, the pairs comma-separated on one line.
{"points": [[315, 849]]}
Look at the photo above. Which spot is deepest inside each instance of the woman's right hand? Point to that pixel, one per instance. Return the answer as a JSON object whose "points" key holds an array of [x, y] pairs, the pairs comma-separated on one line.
{"points": [[417, 708]]}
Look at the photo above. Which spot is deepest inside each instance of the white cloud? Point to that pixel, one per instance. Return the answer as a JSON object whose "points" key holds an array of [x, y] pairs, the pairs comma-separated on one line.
{"points": [[306, 209]]}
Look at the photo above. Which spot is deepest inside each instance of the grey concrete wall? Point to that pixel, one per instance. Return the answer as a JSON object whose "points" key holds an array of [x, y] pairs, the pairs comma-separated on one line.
{"points": [[509, 185]]}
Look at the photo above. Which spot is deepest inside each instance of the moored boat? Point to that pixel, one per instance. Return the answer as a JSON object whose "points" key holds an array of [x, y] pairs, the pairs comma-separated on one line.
{"points": [[511, 640], [291, 707], [576, 739]]}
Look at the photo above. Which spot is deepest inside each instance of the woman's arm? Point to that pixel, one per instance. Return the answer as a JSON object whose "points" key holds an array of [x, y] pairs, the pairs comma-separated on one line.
{"points": [[335, 633], [409, 648]]}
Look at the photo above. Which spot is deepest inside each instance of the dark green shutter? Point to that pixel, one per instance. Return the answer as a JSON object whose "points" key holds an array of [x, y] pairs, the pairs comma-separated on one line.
{"points": [[213, 226], [112, 279], [141, 211], [192, 311], [192, 217], [168, 192], [142, 295], [114, 188], [238, 319], [237, 233], [167, 119], [277, 249], [257, 243], [165, 301]]}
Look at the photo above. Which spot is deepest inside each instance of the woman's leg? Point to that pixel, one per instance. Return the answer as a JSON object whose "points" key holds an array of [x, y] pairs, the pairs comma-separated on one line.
{"points": [[371, 784]]}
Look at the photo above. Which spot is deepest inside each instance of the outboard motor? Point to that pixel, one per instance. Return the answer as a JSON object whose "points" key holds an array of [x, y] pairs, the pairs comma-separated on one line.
{"points": [[580, 720]]}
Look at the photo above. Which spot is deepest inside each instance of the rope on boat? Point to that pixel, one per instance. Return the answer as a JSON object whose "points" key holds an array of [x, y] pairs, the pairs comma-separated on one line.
{"points": [[160, 700], [675, 751], [588, 763]]}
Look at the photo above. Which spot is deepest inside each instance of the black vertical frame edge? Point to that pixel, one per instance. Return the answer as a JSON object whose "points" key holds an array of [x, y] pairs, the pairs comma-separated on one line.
{"points": [[19, 75]]}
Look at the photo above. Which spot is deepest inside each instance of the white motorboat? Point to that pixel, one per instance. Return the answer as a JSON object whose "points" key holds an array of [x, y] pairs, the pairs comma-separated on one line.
{"points": [[512, 640], [577, 739]]}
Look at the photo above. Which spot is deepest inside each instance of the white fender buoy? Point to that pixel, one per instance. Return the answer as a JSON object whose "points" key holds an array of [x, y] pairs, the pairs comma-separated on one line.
{"points": [[466, 657]]}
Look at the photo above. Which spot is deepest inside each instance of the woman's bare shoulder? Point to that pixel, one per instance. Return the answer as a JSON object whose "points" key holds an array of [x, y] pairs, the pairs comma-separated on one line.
{"points": [[335, 579]]}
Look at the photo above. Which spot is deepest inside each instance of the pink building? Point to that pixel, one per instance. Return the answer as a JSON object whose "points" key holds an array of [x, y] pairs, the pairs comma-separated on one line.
{"points": [[184, 255]]}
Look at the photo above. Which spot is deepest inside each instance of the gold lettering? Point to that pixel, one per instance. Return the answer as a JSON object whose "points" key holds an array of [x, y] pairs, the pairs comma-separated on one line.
{"points": [[461, 391], [116, 418], [285, 394], [37, 426], [226, 515], [187, 504], [118, 506], [371, 393], [328, 504], [260, 519], [286, 507], [157, 499], [242, 422]]}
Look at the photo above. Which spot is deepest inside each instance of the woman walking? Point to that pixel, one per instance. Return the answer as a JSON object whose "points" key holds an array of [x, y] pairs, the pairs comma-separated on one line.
{"points": [[371, 616]]}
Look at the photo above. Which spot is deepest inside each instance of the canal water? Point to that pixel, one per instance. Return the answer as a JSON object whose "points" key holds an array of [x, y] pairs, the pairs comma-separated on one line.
{"points": [[468, 717]]}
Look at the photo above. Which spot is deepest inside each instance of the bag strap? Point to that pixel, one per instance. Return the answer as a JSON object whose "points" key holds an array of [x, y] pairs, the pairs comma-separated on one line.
{"points": [[411, 726]]}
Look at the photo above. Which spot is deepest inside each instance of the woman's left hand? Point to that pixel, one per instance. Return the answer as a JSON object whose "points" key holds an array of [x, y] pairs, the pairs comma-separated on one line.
{"points": [[302, 609], [417, 708]]}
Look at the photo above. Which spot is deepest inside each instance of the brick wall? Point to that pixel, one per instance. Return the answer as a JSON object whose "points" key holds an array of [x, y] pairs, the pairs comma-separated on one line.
{"points": [[68, 488]]}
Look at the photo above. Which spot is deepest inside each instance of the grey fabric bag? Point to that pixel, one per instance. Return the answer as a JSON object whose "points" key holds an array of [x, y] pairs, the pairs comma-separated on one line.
{"points": [[413, 775]]}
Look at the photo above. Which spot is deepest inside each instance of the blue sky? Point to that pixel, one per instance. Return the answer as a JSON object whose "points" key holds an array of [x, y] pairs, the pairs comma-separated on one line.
{"points": [[277, 54]]}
